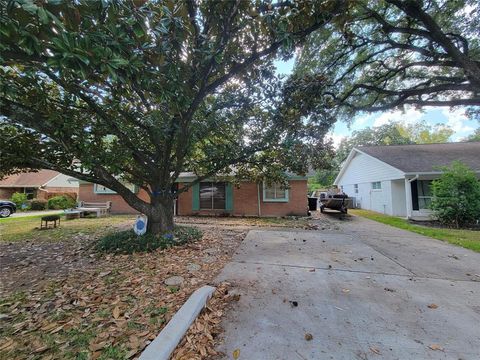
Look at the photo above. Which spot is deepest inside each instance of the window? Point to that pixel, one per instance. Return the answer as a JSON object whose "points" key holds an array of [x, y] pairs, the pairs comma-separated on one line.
{"points": [[377, 185], [100, 189], [355, 188], [424, 193], [212, 195], [274, 193], [30, 192]]}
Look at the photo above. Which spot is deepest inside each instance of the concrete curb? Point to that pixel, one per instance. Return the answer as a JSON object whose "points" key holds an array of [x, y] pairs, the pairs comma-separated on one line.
{"points": [[168, 339]]}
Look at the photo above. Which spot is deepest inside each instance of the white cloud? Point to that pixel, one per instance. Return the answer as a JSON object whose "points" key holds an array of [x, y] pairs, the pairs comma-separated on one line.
{"points": [[336, 139], [456, 120], [409, 116]]}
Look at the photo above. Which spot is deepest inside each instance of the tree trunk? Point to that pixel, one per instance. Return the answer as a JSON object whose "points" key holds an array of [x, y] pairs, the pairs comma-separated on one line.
{"points": [[160, 216]]}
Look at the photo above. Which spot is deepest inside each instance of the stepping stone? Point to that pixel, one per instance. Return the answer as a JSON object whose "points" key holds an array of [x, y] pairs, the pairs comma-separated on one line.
{"points": [[174, 281], [193, 267]]}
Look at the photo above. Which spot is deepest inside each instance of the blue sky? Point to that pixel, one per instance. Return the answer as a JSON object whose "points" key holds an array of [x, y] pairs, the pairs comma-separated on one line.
{"points": [[456, 119]]}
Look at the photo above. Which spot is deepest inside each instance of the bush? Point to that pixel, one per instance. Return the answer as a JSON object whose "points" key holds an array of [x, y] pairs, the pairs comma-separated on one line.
{"points": [[38, 204], [127, 242], [456, 196], [61, 202], [20, 199]]}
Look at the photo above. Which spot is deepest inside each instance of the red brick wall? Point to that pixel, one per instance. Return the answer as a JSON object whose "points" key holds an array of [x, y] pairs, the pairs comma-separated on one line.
{"points": [[6, 193], [297, 201], [245, 201], [119, 206]]}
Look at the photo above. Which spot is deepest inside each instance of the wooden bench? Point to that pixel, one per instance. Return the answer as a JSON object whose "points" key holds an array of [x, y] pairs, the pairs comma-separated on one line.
{"points": [[100, 209]]}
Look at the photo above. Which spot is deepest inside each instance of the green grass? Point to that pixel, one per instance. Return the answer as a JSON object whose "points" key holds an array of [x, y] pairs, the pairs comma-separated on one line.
{"points": [[26, 228], [469, 239]]}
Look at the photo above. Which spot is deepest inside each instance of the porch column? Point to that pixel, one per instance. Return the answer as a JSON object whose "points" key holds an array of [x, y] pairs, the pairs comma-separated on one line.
{"points": [[408, 194]]}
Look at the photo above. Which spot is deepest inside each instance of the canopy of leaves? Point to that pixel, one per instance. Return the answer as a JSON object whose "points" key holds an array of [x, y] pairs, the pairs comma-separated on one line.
{"points": [[394, 133], [385, 54], [474, 137], [456, 196], [139, 91]]}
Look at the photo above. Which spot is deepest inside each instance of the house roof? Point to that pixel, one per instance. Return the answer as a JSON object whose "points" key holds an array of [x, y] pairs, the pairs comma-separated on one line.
{"points": [[29, 179], [426, 157]]}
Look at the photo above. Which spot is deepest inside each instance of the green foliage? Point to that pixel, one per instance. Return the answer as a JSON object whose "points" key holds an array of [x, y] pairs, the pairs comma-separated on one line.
{"points": [[61, 202], [456, 196], [127, 242], [383, 55], [423, 133], [20, 199], [394, 133], [38, 204], [325, 177], [138, 91], [474, 137]]}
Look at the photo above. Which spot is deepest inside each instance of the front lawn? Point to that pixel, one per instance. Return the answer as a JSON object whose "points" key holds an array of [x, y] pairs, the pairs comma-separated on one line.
{"points": [[62, 299], [27, 228], [469, 239]]}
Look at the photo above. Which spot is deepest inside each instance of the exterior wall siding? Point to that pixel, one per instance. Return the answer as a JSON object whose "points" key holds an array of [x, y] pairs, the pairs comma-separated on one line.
{"points": [[244, 201], [363, 168]]}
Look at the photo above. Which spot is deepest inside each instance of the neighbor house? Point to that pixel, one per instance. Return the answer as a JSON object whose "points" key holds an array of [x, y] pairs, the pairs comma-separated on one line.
{"points": [[42, 184], [395, 179], [217, 197]]}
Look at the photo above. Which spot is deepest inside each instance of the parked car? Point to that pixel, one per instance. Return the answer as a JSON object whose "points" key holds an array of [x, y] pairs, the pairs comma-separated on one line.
{"points": [[7, 208]]}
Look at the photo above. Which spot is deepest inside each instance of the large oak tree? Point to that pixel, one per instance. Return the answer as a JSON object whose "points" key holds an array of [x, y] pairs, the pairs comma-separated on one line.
{"points": [[138, 91], [385, 54]]}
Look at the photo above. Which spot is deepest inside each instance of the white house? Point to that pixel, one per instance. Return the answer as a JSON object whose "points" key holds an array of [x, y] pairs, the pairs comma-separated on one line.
{"points": [[395, 179]]}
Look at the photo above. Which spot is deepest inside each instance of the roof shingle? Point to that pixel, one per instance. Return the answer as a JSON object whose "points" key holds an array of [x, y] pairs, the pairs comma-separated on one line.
{"points": [[29, 179], [426, 157]]}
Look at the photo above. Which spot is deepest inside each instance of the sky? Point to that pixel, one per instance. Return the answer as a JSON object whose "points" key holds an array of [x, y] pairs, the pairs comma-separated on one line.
{"points": [[456, 119]]}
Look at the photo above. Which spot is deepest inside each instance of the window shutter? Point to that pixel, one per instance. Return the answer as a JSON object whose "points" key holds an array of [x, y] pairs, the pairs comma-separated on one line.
{"points": [[228, 196], [196, 197]]}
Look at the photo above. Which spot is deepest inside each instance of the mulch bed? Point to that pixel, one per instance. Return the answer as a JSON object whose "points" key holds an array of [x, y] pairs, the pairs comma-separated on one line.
{"points": [[107, 307]]}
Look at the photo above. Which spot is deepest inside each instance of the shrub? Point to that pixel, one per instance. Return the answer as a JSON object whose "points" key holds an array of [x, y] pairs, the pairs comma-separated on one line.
{"points": [[456, 196], [127, 242], [61, 202], [38, 204], [20, 199]]}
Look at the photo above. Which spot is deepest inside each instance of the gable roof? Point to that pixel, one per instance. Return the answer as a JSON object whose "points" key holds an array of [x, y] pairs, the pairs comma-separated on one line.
{"points": [[29, 179], [426, 157]]}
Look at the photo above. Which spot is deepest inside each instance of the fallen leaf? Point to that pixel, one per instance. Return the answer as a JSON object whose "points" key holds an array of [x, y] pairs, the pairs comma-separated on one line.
{"points": [[6, 344], [435, 347], [346, 291], [308, 336], [432, 306], [116, 312], [375, 350], [236, 354]]}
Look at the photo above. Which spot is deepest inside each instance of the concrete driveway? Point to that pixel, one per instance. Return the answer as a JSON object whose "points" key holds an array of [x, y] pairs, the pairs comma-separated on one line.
{"points": [[366, 291]]}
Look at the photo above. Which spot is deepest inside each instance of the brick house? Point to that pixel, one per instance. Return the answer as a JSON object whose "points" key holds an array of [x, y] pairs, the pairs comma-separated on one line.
{"points": [[42, 184], [217, 198]]}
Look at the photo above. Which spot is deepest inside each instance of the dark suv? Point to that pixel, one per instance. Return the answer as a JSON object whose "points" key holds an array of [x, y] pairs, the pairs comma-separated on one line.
{"points": [[7, 208]]}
